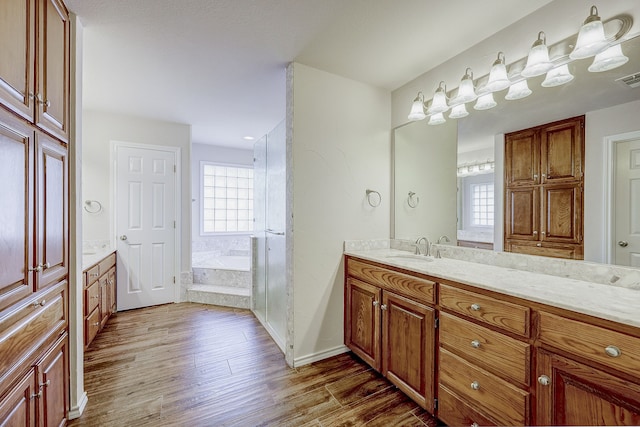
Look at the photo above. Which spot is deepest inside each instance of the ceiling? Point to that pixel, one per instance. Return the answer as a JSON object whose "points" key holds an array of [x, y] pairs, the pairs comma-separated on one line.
{"points": [[219, 65]]}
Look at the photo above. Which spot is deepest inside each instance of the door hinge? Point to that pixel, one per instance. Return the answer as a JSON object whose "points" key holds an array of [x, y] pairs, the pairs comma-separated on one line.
{"points": [[435, 404], [437, 323], [174, 224], [174, 279], [175, 169]]}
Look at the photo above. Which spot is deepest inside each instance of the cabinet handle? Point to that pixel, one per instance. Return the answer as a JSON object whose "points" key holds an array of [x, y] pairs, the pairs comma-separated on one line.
{"points": [[383, 307], [613, 351], [544, 380], [96, 324], [475, 385], [376, 303], [543, 233], [539, 245], [42, 101], [535, 176], [39, 303], [37, 395], [36, 269], [475, 344], [475, 425], [46, 383], [475, 307], [94, 274], [535, 232]]}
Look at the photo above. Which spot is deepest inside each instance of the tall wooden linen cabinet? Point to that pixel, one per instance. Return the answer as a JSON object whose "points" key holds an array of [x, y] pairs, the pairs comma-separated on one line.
{"points": [[544, 182], [34, 208]]}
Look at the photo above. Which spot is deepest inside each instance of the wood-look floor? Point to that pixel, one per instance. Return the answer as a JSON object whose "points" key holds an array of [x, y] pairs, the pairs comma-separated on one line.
{"points": [[200, 365]]}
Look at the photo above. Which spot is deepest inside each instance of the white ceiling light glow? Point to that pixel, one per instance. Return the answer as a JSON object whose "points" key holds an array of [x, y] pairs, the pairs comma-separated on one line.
{"points": [[591, 41]]}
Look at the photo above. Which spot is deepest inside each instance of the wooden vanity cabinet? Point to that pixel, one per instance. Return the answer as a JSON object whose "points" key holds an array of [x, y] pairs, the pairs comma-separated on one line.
{"points": [[390, 325], [99, 296], [544, 183]]}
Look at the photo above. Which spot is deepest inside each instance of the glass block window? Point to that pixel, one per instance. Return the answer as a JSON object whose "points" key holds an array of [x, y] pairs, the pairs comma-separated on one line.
{"points": [[227, 198], [482, 205]]}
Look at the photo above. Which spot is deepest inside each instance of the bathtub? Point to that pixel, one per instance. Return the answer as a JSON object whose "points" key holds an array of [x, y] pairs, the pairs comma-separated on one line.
{"points": [[212, 260]]}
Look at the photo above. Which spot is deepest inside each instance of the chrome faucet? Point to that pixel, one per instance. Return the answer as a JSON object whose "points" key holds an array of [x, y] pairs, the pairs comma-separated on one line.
{"points": [[446, 239], [427, 247]]}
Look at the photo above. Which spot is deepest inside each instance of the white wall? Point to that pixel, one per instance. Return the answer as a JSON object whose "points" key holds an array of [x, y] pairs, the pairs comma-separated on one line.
{"points": [[99, 129], [340, 148], [598, 125]]}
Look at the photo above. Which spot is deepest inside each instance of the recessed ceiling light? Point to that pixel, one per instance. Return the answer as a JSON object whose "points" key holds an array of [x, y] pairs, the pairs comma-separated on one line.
{"points": [[248, 138]]}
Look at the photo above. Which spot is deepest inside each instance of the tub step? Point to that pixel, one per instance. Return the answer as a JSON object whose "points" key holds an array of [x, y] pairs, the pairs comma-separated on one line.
{"points": [[209, 276], [226, 296]]}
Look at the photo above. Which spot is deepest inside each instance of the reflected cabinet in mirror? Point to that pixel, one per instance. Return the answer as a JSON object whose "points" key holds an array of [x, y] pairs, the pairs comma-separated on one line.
{"points": [[456, 187]]}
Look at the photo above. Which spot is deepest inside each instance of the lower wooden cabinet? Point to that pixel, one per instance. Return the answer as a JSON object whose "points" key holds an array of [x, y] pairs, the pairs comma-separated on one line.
{"points": [[394, 334], [17, 408], [99, 296], [573, 393]]}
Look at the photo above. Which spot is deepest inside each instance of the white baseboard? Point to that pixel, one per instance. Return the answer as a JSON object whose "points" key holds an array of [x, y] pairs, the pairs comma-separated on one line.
{"points": [[76, 411], [315, 357]]}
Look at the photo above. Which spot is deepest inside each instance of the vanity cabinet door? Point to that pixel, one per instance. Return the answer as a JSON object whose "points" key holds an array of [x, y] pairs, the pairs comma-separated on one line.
{"points": [[561, 151], [522, 158], [362, 321], [522, 213], [571, 393], [408, 347]]}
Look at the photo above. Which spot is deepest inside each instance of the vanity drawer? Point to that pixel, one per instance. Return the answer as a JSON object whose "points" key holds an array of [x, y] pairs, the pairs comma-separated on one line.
{"points": [[505, 315], [91, 326], [592, 342], [500, 400], [410, 286], [106, 264], [491, 350], [92, 274], [455, 412], [91, 298]]}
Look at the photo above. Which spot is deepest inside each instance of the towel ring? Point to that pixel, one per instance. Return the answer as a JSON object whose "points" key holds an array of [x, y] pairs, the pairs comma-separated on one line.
{"points": [[92, 206], [372, 196], [413, 200]]}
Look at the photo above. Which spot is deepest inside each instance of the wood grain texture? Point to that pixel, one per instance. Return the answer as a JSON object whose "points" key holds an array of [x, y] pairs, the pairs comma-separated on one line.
{"points": [[410, 286], [501, 314], [495, 352], [199, 365], [362, 321]]}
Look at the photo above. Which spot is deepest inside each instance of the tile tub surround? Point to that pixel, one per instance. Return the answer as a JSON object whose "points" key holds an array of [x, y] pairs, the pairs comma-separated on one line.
{"points": [[612, 303]]}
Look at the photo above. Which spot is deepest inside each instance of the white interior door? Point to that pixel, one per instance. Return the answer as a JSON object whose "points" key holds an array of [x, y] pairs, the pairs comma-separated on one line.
{"points": [[627, 203], [145, 204]]}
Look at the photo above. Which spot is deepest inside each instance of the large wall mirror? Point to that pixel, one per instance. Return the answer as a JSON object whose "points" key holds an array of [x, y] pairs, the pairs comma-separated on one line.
{"points": [[612, 110]]}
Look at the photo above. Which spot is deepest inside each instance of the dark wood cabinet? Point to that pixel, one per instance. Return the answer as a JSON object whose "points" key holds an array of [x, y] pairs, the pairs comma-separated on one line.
{"points": [[34, 232], [389, 324], [544, 190], [99, 296]]}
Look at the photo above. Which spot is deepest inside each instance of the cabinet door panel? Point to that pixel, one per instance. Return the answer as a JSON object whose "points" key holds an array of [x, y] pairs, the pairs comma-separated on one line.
{"points": [[16, 210], [17, 408], [53, 380], [362, 323], [562, 208], [522, 213], [580, 395], [52, 111], [408, 347], [522, 158], [52, 210], [17, 54], [561, 149]]}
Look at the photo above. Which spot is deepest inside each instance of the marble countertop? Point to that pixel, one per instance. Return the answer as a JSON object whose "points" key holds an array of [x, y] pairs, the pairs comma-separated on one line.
{"points": [[607, 302], [92, 257]]}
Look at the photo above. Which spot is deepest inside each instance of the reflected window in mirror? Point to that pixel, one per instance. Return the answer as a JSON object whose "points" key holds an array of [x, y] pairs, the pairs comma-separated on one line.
{"points": [[476, 216]]}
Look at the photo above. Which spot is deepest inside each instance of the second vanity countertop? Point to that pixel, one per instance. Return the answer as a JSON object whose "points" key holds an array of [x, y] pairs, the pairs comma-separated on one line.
{"points": [[607, 302], [93, 257]]}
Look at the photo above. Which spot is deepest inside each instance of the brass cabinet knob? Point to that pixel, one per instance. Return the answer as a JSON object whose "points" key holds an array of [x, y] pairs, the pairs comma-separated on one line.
{"points": [[475, 385], [613, 351], [475, 307], [475, 344], [544, 380]]}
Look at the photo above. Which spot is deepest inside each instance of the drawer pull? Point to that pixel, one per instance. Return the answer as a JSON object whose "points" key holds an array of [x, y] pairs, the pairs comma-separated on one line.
{"points": [[544, 380], [376, 303], [475, 385], [475, 344], [39, 304], [46, 383], [613, 351], [475, 425], [37, 395], [94, 274], [96, 324], [475, 307], [383, 307]]}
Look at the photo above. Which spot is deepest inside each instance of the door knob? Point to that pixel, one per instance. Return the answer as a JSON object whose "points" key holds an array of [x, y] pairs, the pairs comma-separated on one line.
{"points": [[623, 243], [123, 237]]}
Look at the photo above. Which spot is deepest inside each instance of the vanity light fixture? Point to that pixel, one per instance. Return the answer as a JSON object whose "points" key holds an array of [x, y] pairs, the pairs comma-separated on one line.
{"points": [[608, 60], [558, 76], [458, 112], [466, 91], [518, 90], [439, 102], [591, 40], [498, 79], [538, 60], [417, 108], [436, 119], [485, 102]]}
